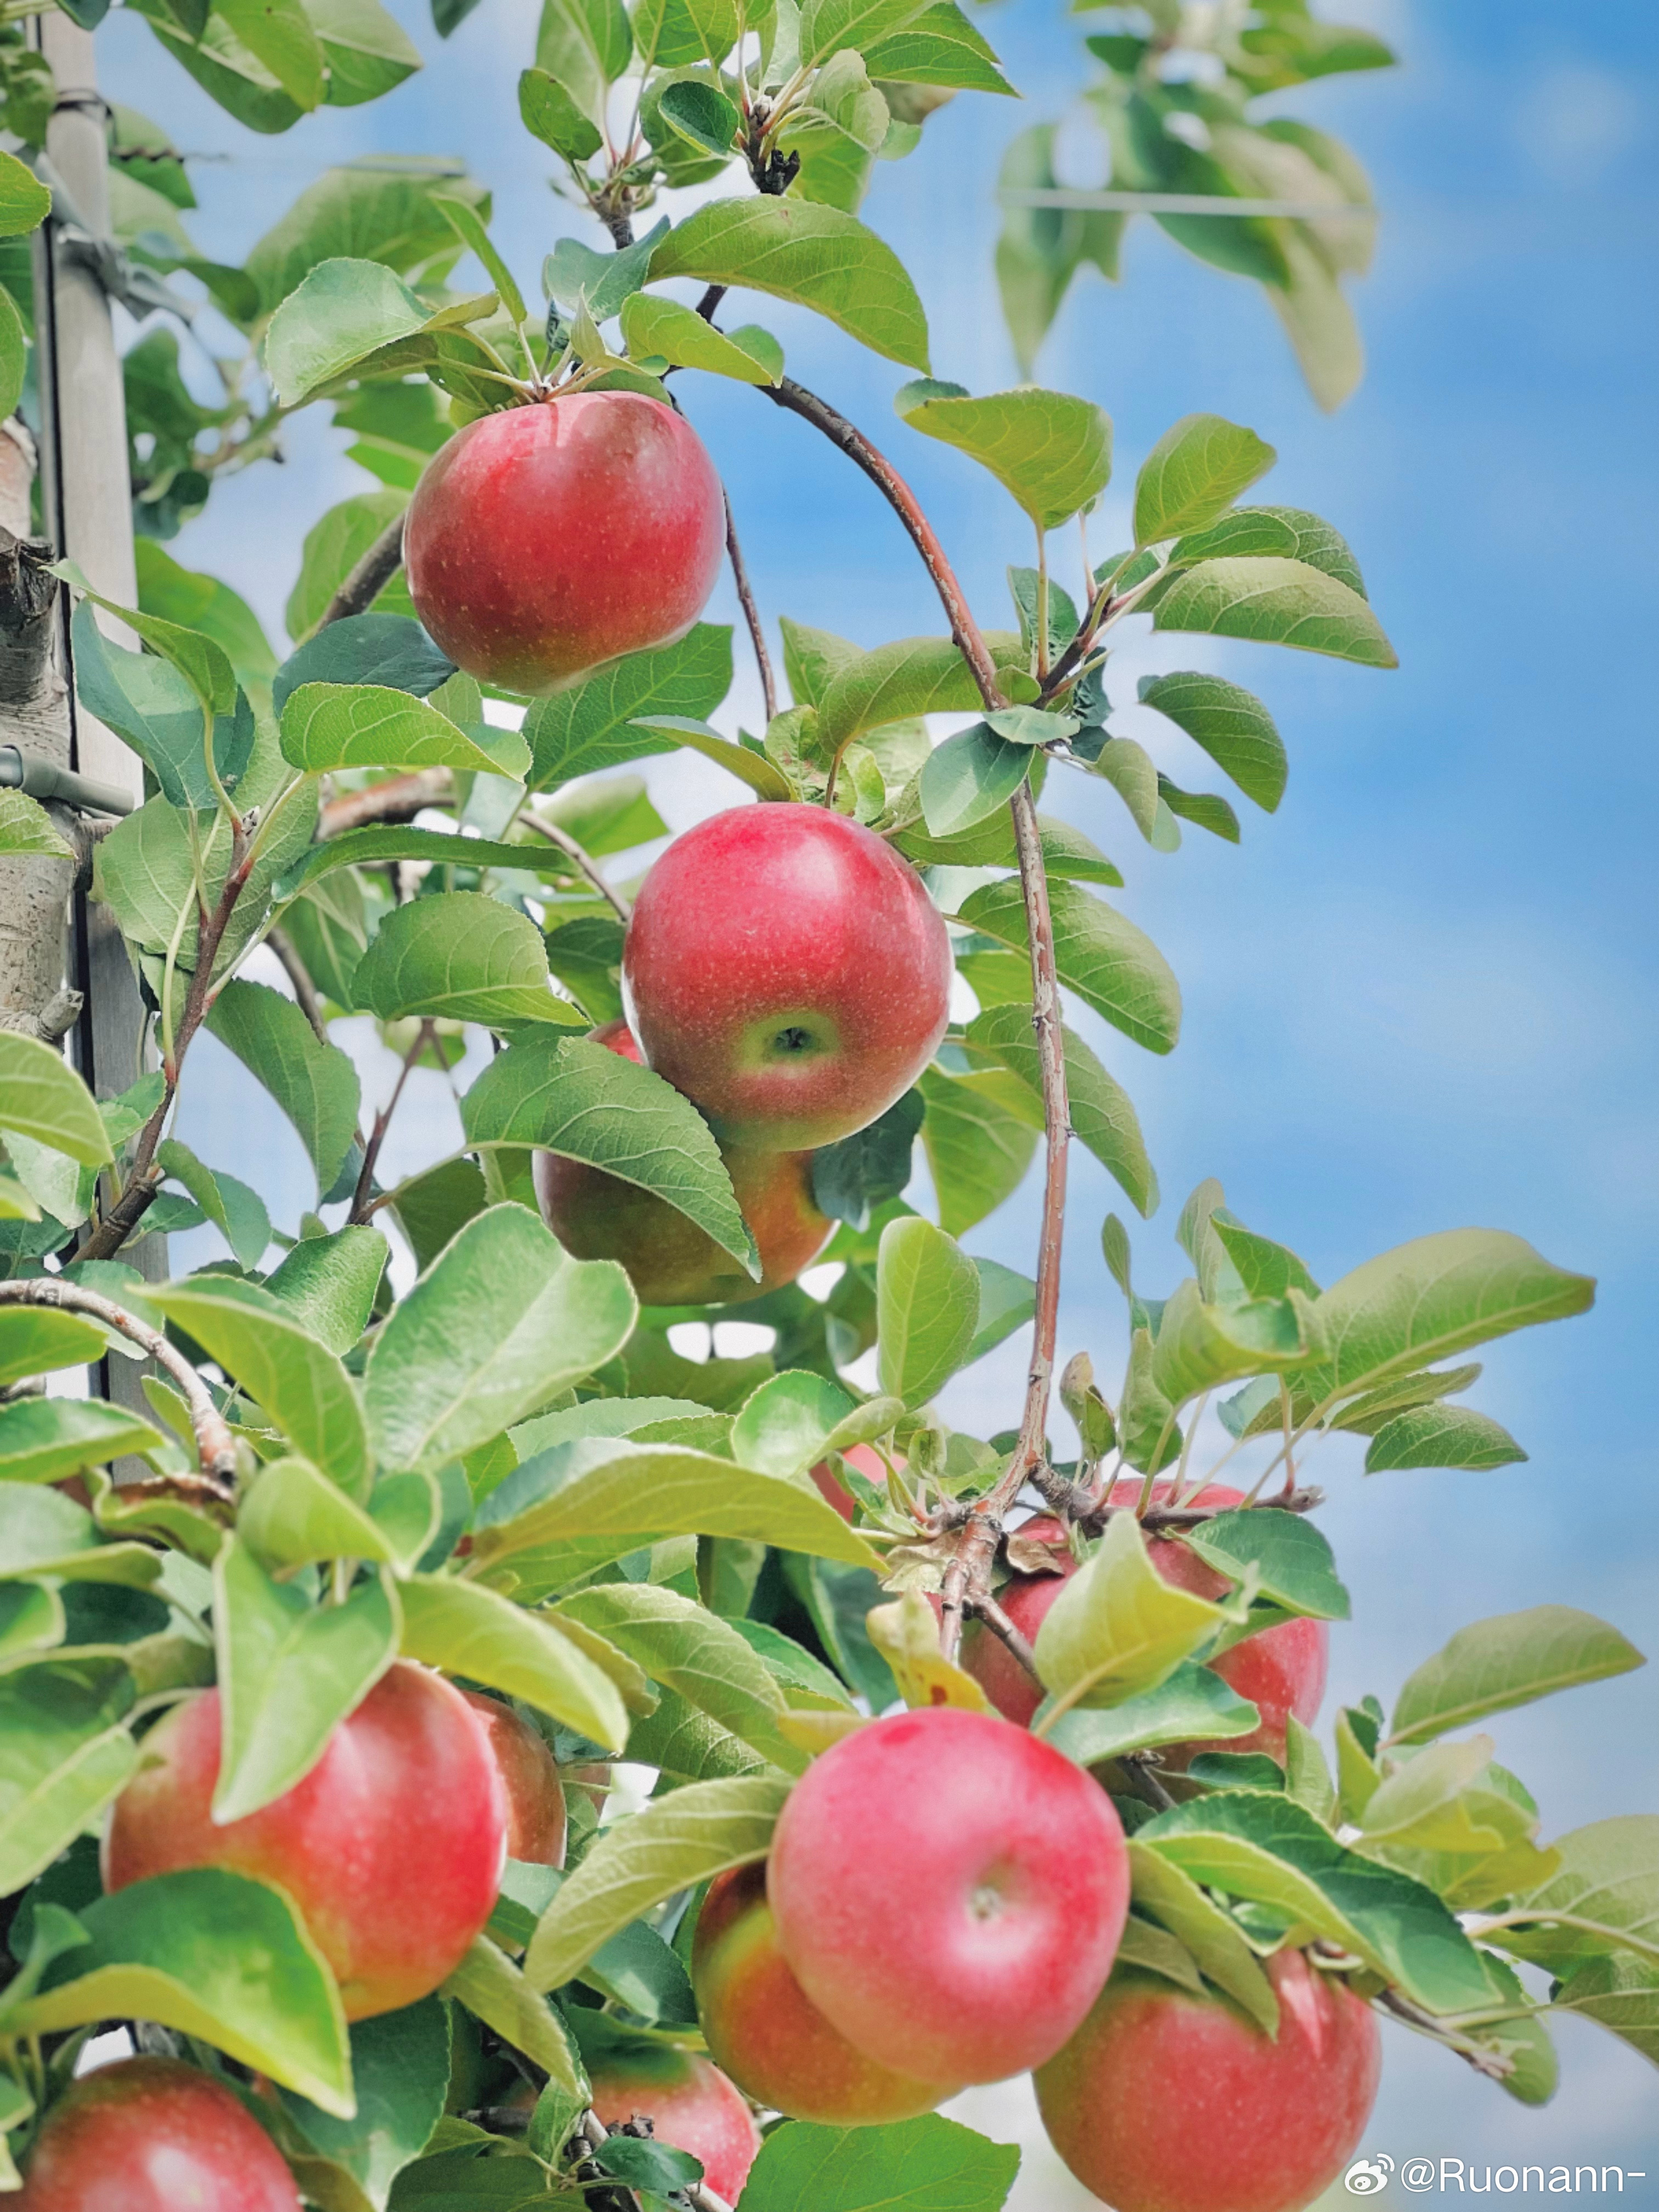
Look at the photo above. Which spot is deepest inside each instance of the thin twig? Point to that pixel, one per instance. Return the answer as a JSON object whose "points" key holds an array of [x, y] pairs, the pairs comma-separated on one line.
{"points": [[579, 859], [369, 578], [305, 991], [216, 1447], [987, 1609], [1491, 2063], [750, 613], [360, 1196], [398, 798]]}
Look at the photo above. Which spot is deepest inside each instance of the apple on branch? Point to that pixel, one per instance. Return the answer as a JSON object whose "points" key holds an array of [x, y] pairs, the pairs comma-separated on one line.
{"points": [[153, 2135]]}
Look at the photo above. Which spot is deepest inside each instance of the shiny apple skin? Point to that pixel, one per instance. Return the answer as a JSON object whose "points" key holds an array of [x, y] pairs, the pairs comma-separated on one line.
{"points": [[787, 970], [766, 2032], [949, 1892], [1281, 1670], [529, 1777], [669, 1260], [152, 2135], [392, 1847], [545, 540], [1167, 2102], [690, 2104]]}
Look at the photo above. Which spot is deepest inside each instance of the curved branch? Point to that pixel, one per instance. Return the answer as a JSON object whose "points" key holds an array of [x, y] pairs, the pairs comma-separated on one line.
{"points": [[369, 578], [578, 859], [216, 1447], [396, 799], [751, 614]]}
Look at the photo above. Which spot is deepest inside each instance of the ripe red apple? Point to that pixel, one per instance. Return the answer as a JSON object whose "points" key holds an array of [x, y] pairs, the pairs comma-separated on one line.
{"points": [[768, 2034], [546, 539], [530, 1778], [1167, 2102], [787, 971], [670, 1260], [392, 1847], [1281, 1670], [950, 1893], [152, 2135], [690, 2103]]}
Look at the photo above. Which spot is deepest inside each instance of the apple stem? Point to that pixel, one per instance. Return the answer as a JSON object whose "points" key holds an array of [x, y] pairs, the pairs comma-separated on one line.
{"points": [[216, 1447], [751, 612], [967, 1579]]}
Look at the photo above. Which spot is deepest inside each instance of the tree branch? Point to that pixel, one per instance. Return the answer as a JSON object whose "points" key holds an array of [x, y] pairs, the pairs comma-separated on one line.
{"points": [[360, 1196], [998, 1622], [579, 859], [398, 798], [216, 1447], [305, 991], [369, 578], [750, 613]]}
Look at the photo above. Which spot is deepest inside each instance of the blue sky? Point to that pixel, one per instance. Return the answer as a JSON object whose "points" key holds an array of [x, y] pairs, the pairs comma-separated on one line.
{"points": [[1421, 994]]}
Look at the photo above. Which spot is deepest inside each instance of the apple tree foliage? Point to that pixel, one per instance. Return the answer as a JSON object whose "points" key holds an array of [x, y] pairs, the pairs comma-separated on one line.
{"points": [[545, 1497]]}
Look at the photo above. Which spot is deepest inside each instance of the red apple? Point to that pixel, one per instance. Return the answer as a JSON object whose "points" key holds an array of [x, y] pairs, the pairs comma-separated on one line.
{"points": [[546, 539], [1167, 2102], [866, 1459], [949, 1892], [670, 1260], [768, 2034], [392, 1847], [787, 971], [529, 1777], [152, 2135], [690, 2103], [1281, 1670]]}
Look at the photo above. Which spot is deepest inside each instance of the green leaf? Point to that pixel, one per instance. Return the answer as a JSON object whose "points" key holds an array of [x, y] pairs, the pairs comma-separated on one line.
{"points": [[685, 1648], [978, 1147], [25, 825], [793, 1419], [1100, 954], [475, 1632], [1294, 1566], [333, 546], [289, 1671], [35, 1340], [280, 1365], [1261, 1846], [550, 114], [1195, 473], [64, 1753], [1442, 1436], [1068, 855], [367, 52], [1231, 723], [968, 778], [764, 780], [568, 1096], [654, 324], [1102, 1114], [1007, 1301], [1602, 1897], [837, 135], [468, 225], [1275, 602], [43, 1097], [346, 310], [327, 726], [460, 957], [1212, 1935], [645, 1491], [279, 33], [682, 1840], [1204, 808], [595, 725], [25, 202], [238, 1212], [314, 1083], [382, 213], [488, 1984], [1622, 1993], [1511, 1659], [1192, 1705], [400, 2065], [292, 1516], [586, 45], [816, 256], [1288, 530], [928, 1309], [1117, 1630], [833, 26], [502, 1322], [45, 1439], [1433, 1297], [391, 650], [151, 703], [328, 1284], [939, 46], [701, 114], [927, 2165], [212, 1955], [1051, 452]]}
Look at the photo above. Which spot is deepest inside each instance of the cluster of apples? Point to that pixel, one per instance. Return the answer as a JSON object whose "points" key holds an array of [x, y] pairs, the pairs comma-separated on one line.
{"points": [[785, 970]]}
